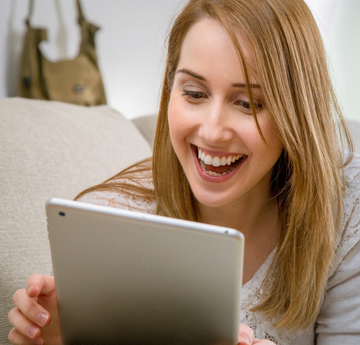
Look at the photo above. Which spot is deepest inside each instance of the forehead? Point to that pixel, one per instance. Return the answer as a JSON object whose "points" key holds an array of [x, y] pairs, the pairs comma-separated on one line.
{"points": [[208, 43]]}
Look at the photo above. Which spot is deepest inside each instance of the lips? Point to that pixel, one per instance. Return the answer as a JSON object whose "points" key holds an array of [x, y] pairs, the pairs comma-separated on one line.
{"points": [[216, 167]]}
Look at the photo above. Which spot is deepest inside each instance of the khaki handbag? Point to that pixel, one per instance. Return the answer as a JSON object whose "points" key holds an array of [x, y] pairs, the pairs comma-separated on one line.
{"points": [[75, 80]]}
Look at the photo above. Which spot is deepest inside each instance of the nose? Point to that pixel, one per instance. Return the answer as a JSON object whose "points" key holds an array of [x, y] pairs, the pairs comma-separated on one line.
{"points": [[216, 126]]}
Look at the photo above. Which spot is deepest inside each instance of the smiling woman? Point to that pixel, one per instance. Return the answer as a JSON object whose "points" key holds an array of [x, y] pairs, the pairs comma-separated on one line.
{"points": [[250, 136]]}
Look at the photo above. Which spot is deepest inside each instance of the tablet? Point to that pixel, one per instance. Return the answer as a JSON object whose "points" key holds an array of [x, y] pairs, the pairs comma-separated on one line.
{"points": [[127, 277]]}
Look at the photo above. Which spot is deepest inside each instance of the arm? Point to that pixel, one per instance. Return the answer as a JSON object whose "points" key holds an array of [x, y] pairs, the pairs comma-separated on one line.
{"points": [[338, 321]]}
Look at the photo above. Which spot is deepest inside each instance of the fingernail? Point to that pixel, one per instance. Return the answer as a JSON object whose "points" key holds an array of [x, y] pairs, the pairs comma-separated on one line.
{"points": [[244, 339], [38, 341], [32, 331], [41, 319]]}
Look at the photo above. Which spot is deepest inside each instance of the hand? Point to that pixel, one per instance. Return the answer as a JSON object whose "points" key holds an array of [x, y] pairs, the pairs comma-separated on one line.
{"points": [[35, 317], [246, 337]]}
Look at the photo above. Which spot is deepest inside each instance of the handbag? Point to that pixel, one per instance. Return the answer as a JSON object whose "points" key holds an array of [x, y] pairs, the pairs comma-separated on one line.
{"points": [[75, 80]]}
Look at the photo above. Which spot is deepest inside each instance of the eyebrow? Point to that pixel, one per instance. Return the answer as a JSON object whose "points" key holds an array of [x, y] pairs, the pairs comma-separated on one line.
{"points": [[198, 76]]}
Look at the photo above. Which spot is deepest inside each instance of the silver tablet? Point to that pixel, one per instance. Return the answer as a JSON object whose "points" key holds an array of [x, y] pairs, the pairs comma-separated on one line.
{"points": [[132, 278]]}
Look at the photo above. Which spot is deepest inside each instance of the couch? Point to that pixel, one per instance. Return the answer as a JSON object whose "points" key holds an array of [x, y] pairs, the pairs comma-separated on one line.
{"points": [[53, 149]]}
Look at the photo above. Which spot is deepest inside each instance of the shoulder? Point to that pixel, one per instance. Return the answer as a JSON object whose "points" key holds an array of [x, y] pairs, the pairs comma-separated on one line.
{"points": [[349, 234], [131, 189], [351, 199], [352, 175], [120, 194], [338, 318]]}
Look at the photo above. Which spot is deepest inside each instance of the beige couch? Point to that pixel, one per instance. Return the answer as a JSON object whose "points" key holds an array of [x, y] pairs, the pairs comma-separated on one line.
{"points": [[52, 149]]}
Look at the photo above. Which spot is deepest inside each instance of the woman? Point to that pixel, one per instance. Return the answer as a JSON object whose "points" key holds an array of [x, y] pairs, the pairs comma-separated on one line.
{"points": [[248, 137]]}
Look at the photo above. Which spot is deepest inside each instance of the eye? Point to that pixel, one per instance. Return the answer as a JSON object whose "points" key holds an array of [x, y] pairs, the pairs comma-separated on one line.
{"points": [[194, 96], [247, 106]]}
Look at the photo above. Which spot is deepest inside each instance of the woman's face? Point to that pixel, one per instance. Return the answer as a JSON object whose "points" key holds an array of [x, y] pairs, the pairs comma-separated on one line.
{"points": [[212, 129]]}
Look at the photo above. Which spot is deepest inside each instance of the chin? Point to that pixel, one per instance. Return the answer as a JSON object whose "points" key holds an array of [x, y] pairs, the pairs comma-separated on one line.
{"points": [[213, 201]]}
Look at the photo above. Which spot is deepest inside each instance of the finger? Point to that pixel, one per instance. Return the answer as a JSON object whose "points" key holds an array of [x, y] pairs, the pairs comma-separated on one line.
{"points": [[246, 335], [17, 338], [263, 342], [23, 325], [30, 308], [39, 284]]}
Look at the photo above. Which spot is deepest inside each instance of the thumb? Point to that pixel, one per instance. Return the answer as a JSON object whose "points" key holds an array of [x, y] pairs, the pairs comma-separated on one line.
{"points": [[246, 335], [38, 284]]}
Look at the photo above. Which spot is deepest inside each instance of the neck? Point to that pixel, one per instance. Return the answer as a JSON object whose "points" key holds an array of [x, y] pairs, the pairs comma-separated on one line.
{"points": [[257, 220], [246, 216]]}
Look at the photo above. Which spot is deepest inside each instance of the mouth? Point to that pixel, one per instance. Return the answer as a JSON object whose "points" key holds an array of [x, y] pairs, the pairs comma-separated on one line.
{"points": [[217, 165]]}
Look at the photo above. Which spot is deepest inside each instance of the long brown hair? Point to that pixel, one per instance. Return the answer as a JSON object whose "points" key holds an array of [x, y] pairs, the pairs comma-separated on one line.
{"points": [[308, 179]]}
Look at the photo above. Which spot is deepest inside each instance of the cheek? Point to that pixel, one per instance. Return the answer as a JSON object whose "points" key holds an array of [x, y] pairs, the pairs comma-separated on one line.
{"points": [[173, 118], [176, 124], [265, 153], [273, 142], [179, 124]]}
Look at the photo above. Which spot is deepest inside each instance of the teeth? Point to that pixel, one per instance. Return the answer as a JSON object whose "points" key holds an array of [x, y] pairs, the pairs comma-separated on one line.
{"points": [[212, 173], [217, 161], [208, 160]]}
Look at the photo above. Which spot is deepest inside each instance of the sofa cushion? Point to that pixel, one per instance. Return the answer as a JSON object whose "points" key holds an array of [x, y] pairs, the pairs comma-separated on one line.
{"points": [[51, 149], [355, 131], [147, 126]]}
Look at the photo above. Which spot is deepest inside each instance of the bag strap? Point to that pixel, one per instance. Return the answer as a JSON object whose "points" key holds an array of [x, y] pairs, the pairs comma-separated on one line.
{"points": [[81, 17], [30, 12], [80, 11]]}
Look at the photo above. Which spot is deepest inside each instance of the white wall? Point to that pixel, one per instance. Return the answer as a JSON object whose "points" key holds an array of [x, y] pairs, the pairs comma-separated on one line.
{"points": [[132, 40], [339, 23], [130, 44]]}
